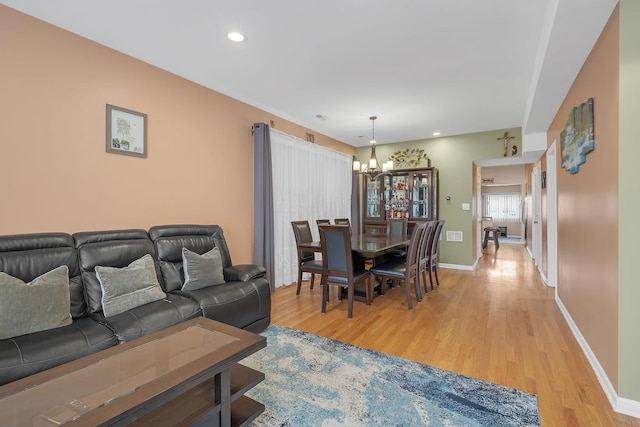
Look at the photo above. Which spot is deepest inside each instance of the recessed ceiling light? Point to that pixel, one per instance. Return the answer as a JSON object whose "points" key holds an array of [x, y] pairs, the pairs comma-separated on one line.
{"points": [[234, 36], [436, 134]]}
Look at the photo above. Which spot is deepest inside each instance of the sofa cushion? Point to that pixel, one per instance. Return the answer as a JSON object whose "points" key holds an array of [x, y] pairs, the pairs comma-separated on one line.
{"points": [[117, 248], [29, 354], [237, 304], [27, 256], [203, 270], [36, 306], [169, 241], [151, 317], [129, 287]]}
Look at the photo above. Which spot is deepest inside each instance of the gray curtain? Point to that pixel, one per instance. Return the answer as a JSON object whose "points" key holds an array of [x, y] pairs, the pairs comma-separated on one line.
{"points": [[355, 203], [263, 247]]}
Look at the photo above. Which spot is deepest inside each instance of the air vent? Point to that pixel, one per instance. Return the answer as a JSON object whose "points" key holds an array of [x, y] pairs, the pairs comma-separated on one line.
{"points": [[454, 236]]}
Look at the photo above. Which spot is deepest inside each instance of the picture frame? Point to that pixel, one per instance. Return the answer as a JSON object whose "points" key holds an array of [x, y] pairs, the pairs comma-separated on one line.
{"points": [[578, 137], [126, 132]]}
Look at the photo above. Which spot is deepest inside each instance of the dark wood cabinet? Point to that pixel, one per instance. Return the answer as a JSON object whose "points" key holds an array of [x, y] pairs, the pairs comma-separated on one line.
{"points": [[410, 193]]}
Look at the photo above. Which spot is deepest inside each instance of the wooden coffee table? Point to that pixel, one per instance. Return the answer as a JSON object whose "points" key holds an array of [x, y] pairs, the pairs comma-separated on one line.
{"points": [[187, 374]]}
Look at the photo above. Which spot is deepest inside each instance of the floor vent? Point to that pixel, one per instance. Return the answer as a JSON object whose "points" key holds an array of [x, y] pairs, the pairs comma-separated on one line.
{"points": [[454, 236]]}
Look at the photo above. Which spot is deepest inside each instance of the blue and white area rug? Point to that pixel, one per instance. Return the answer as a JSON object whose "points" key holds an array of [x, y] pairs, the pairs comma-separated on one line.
{"points": [[315, 381]]}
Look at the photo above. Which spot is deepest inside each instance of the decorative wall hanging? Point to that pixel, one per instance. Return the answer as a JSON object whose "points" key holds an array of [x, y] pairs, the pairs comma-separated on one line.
{"points": [[577, 137], [505, 139], [126, 132], [409, 158]]}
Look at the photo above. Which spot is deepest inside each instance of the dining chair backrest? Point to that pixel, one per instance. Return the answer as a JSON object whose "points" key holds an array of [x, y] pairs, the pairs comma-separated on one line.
{"points": [[435, 242], [414, 245], [342, 221], [397, 226], [427, 238], [302, 233], [337, 259], [323, 221], [423, 253]]}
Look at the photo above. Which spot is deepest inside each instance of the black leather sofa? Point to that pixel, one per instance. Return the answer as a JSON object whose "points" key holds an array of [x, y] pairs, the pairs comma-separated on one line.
{"points": [[243, 300]]}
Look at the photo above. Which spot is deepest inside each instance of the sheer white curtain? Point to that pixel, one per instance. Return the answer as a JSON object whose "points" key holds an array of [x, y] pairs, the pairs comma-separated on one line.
{"points": [[309, 182], [502, 207]]}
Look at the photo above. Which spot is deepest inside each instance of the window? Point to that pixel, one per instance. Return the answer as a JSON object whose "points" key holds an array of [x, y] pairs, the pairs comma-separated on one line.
{"points": [[502, 207]]}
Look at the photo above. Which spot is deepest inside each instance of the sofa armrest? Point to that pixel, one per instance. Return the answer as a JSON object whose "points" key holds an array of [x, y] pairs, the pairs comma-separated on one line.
{"points": [[243, 272]]}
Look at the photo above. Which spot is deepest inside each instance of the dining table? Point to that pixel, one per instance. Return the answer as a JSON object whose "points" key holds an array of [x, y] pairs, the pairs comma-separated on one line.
{"points": [[373, 248]]}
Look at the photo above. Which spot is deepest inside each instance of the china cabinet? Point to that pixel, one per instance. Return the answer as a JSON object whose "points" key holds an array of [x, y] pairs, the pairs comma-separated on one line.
{"points": [[408, 193]]}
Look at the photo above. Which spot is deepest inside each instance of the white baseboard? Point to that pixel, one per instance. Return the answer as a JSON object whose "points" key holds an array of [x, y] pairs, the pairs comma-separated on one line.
{"points": [[628, 407], [619, 404], [529, 250], [458, 266], [545, 280]]}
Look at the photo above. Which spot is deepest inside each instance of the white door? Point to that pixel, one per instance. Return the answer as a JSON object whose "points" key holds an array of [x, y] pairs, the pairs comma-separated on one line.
{"points": [[536, 226], [552, 218]]}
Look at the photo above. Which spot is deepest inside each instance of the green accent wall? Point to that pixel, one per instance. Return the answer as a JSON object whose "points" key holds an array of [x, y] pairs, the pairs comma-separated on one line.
{"points": [[629, 176], [454, 157]]}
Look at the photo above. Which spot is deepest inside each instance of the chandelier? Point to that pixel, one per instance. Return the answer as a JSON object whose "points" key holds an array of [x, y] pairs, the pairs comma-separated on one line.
{"points": [[372, 169]]}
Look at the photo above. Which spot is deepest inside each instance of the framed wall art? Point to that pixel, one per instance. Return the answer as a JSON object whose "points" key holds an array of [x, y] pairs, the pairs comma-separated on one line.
{"points": [[577, 137], [126, 132]]}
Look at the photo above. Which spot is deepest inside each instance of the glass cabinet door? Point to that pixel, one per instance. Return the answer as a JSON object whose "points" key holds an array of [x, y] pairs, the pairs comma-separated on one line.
{"points": [[396, 196], [420, 196], [373, 198]]}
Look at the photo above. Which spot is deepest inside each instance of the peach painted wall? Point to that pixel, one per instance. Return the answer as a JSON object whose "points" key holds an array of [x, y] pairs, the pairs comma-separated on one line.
{"points": [[588, 207], [55, 172]]}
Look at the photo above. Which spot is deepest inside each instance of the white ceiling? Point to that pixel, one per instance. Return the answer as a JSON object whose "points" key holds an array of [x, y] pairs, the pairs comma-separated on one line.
{"points": [[455, 66]]}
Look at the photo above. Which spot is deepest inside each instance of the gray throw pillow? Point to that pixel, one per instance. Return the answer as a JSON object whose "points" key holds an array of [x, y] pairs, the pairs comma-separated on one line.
{"points": [[203, 270], [36, 306], [129, 287]]}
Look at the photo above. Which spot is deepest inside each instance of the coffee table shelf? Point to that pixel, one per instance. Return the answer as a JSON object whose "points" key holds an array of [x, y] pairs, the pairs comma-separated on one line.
{"points": [[198, 406], [187, 374]]}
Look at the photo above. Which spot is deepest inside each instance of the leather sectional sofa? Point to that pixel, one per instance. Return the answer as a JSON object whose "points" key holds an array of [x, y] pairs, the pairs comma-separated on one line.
{"points": [[240, 298]]}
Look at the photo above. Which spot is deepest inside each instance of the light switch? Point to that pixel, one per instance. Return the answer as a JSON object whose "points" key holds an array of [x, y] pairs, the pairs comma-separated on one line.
{"points": [[466, 207]]}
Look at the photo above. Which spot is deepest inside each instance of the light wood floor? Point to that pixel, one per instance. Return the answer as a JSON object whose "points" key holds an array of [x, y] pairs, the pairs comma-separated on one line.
{"points": [[499, 323]]}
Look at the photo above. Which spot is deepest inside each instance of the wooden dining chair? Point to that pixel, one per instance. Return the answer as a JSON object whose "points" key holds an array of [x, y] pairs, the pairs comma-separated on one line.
{"points": [[306, 260], [397, 227], [337, 265], [424, 253], [342, 221], [433, 252], [407, 269]]}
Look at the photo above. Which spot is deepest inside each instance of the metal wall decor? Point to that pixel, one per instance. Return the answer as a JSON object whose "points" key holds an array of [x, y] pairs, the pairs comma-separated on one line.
{"points": [[408, 158]]}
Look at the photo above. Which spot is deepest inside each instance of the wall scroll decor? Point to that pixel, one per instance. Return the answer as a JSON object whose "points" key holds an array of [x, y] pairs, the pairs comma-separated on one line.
{"points": [[577, 137], [408, 158], [126, 132]]}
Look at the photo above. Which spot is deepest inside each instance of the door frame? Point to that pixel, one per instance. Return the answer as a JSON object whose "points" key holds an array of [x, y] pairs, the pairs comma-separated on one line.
{"points": [[552, 218], [536, 225]]}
